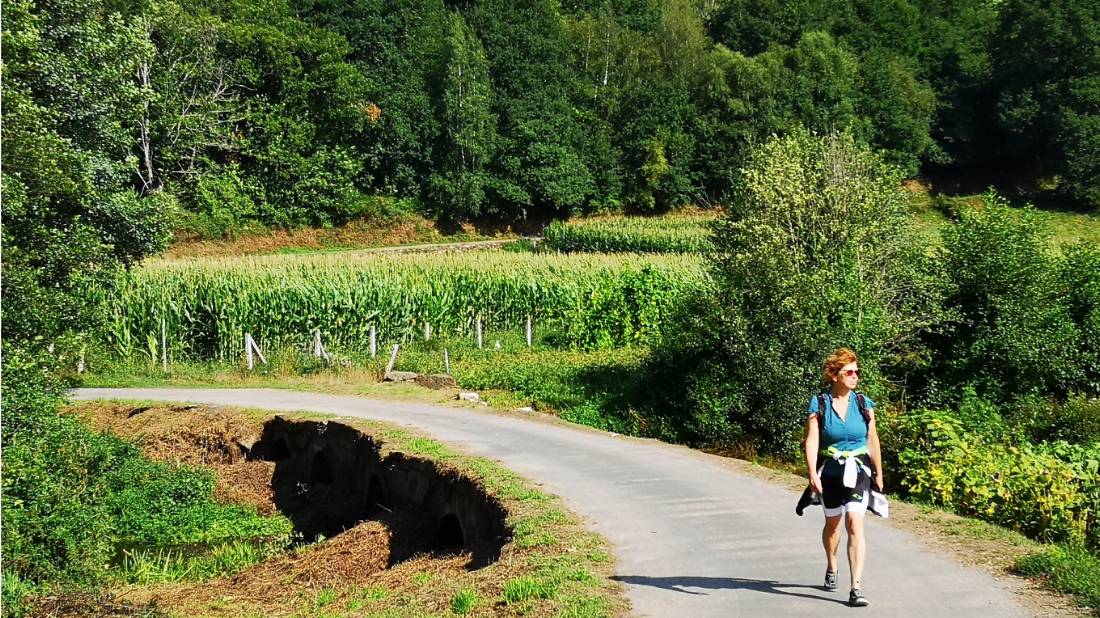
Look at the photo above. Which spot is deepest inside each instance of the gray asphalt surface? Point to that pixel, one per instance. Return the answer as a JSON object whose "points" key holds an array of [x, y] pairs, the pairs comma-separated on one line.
{"points": [[692, 537]]}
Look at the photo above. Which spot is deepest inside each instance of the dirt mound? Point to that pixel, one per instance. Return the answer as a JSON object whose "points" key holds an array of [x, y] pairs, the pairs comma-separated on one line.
{"points": [[246, 482], [196, 436], [349, 558]]}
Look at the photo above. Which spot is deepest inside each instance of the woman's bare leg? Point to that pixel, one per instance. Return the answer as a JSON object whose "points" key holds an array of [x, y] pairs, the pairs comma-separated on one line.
{"points": [[830, 539], [857, 547]]}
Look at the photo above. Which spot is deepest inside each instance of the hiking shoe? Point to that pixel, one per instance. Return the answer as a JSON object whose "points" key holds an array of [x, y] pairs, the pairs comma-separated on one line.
{"points": [[856, 598], [830, 580]]}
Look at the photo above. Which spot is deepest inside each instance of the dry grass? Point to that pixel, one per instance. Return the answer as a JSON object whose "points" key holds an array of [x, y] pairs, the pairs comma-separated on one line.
{"points": [[347, 575], [409, 229]]}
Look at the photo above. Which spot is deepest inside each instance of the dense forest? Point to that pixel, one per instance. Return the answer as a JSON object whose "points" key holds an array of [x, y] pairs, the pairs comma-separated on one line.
{"points": [[294, 112]]}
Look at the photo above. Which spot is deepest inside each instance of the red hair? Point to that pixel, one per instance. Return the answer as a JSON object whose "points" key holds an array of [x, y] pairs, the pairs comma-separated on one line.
{"points": [[836, 360]]}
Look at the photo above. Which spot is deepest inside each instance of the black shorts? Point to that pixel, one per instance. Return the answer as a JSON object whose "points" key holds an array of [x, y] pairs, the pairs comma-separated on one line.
{"points": [[838, 499]]}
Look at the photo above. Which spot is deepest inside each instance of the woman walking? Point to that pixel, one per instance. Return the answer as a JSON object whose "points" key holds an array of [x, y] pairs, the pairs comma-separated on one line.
{"points": [[843, 459]]}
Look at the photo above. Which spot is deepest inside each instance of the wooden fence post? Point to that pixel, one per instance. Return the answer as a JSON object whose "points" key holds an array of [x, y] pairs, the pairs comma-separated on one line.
{"points": [[528, 331], [163, 345], [393, 358], [446, 361], [373, 341], [251, 347], [319, 348], [479, 332]]}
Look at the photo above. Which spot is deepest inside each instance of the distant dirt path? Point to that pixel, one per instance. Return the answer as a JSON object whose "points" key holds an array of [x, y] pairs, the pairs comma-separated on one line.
{"points": [[692, 536], [432, 247]]}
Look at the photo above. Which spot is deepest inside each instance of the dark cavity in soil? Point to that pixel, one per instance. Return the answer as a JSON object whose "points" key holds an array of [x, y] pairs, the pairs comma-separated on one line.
{"points": [[329, 477]]}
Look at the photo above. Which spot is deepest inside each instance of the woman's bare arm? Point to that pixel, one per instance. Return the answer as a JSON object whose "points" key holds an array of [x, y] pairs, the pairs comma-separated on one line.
{"points": [[811, 445], [874, 449]]}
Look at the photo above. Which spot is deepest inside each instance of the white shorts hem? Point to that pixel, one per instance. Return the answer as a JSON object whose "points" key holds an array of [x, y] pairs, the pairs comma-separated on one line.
{"points": [[855, 508]]}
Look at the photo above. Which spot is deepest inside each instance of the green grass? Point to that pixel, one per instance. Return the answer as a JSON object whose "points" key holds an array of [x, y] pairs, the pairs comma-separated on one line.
{"points": [[931, 215], [173, 565], [464, 600], [366, 596], [528, 588], [325, 597], [1071, 570]]}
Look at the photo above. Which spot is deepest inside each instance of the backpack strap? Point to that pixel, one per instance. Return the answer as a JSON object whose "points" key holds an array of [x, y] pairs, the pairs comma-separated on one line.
{"points": [[861, 401]]}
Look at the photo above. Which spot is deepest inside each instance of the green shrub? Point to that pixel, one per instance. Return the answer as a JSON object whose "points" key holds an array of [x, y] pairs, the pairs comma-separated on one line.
{"points": [[1079, 279], [1050, 492], [1076, 420], [225, 201], [1013, 333]]}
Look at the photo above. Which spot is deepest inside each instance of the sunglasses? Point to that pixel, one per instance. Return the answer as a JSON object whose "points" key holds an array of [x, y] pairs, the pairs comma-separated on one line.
{"points": [[850, 372]]}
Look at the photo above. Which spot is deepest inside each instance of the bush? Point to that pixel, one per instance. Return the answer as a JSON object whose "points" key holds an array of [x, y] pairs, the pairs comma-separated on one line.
{"points": [[1013, 334], [1050, 492], [1079, 280], [1076, 420]]}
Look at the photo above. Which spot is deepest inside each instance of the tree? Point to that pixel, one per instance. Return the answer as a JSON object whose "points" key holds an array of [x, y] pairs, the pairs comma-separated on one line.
{"points": [[71, 112], [899, 109], [469, 126], [1046, 70], [1013, 332], [816, 251], [396, 47], [541, 167]]}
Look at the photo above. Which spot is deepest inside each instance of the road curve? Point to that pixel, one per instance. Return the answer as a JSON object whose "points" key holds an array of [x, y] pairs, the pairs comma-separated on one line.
{"points": [[692, 537]]}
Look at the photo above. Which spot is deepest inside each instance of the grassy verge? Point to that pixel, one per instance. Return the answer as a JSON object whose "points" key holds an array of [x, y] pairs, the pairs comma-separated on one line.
{"points": [[1072, 570], [552, 566]]}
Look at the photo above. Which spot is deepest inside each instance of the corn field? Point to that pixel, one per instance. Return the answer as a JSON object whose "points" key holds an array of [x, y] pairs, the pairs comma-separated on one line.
{"points": [[588, 301], [671, 234]]}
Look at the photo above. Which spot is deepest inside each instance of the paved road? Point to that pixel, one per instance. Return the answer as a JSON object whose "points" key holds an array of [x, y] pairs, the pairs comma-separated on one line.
{"points": [[692, 537]]}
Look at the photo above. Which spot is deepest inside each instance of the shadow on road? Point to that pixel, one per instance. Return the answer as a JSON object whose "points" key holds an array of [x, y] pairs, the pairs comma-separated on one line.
{"points": [[679, 584]]}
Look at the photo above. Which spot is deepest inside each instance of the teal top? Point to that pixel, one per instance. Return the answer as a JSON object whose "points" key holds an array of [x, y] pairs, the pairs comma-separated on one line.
{"points": [[848, 434]]}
